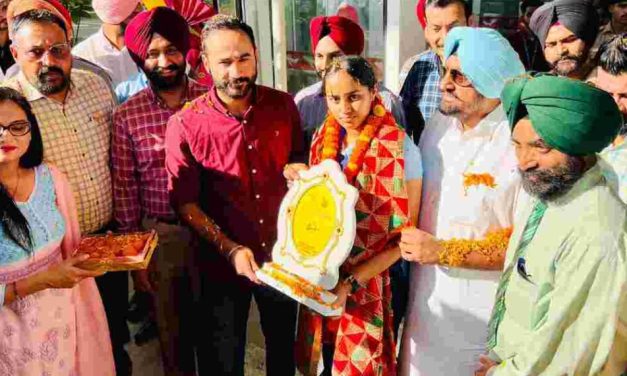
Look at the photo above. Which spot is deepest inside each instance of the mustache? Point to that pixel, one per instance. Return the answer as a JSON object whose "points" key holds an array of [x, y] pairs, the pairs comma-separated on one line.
{"points": [[541, 175], [171, 67], [569, 58], [240, 80], [52, 69], [450, 94]]}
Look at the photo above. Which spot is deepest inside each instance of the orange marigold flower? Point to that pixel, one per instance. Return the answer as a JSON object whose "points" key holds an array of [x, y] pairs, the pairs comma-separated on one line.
{"points": [[479, 179], [379, 110], [331, 140]]}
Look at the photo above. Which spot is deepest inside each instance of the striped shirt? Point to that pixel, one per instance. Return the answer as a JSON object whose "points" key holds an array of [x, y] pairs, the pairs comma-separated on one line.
{"points": [[420, 90], [140, 181], [76, 137]]}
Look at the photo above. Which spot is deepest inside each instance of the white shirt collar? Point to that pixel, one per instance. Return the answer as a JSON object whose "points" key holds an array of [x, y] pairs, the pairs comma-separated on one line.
{"points": [[486, 126]]}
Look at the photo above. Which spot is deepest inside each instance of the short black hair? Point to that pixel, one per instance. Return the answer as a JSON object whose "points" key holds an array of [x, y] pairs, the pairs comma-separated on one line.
{"points": [[13, 222], [37, 16], [356, 66], [524, 4], [445, 3], [613, 55], [226, 22]]}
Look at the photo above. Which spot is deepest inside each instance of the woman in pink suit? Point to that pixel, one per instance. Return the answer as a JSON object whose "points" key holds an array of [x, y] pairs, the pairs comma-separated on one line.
{"points": [[52, 321]]}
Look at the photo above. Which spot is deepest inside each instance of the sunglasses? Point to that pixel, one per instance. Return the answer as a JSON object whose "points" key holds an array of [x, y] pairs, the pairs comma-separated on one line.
{"points": [[17, 128], [457, 77]]}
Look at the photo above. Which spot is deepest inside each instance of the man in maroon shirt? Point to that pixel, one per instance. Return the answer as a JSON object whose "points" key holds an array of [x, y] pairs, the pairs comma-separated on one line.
{"points": [[225, 155], [157, 41]]}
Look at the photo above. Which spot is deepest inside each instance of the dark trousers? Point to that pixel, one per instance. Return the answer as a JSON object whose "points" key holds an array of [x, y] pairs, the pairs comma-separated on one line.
{"points": [[399, 282], [177, 279], [113, 289], [328, 351], [223, 314]]}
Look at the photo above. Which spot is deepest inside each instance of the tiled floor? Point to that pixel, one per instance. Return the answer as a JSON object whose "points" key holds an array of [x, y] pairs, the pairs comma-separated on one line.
{"points": [[147, 361], [147, 358]]}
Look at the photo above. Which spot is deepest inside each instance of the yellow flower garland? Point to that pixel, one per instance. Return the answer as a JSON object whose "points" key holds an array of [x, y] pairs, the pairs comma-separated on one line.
{"points": [[456, 250]]}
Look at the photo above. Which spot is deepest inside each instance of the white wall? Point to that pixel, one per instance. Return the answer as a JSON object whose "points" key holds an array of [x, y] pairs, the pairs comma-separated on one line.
{"points": [[404, 38], [257, 15]]}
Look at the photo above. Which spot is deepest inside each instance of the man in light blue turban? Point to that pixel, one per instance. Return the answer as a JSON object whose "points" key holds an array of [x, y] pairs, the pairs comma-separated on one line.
{"points": [[469, 185], [486, 58]]}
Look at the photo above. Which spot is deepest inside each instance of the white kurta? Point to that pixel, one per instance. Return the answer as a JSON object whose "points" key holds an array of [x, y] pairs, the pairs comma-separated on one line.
{"points": [[98, 50], [449, 308]]}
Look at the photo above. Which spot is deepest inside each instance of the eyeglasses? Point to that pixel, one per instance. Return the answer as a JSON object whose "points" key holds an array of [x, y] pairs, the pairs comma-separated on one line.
{"points": [[17, 128], [458, 77], [57, 51]]}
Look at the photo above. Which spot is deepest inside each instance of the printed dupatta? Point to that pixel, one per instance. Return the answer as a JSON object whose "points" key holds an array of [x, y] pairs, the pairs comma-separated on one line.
{"points": [[363, 335]]}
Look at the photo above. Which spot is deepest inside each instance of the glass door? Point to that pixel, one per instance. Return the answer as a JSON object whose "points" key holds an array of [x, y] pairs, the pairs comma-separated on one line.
{"points": [[228, 7]]}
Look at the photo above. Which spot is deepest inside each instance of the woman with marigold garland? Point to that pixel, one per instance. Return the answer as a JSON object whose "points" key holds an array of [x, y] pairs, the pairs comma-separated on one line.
{"points": [[381, 161]]}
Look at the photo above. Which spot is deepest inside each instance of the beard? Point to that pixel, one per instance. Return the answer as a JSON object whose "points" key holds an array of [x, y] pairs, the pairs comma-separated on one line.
{"points": [[46, 87], [236, 88], [553, 183], [568, 65], [160, 82]]}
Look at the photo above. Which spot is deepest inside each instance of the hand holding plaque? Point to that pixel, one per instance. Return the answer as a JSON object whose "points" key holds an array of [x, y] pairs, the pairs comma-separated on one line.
{"points": [[316, 229]]}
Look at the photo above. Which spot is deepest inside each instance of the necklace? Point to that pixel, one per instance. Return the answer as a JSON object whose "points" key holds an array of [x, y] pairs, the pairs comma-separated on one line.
{"points": [[332, 132]]}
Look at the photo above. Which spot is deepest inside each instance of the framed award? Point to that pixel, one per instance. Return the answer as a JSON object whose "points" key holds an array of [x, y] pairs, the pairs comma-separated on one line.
{"points": [[316, 230]]}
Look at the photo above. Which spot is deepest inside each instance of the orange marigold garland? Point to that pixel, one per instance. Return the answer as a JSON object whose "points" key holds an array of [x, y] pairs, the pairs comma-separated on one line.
{"points": [[456, 250], [331, 138], [478, 179], [297, 284]]}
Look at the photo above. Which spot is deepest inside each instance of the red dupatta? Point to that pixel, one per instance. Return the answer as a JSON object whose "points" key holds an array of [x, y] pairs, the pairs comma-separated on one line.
{"points": [[363, 335]]}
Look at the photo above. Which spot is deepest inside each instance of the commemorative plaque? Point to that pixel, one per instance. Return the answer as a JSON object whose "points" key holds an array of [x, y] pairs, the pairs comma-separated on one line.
{"points": [[316, 230]]}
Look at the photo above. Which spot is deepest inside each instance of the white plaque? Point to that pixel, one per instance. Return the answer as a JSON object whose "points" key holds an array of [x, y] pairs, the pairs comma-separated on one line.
{"points": [[316, 230]]}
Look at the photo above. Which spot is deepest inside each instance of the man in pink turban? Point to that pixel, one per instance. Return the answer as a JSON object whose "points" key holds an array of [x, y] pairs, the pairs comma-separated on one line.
{"points": [[348, 11], [106, 47]]}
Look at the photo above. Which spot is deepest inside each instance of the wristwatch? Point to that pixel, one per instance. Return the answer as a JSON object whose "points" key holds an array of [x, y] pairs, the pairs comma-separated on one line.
{"points": [[353, 283]]}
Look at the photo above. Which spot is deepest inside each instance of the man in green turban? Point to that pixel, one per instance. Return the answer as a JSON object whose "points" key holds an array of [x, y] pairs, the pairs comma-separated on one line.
{"points": [[556, 305]]}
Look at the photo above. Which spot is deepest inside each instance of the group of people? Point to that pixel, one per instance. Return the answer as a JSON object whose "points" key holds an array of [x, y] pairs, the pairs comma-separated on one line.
{"points": [[491, 213]]}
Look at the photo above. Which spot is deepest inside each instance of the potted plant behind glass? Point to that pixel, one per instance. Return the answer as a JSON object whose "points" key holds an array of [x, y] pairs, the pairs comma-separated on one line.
{"points": [[79, 9]]}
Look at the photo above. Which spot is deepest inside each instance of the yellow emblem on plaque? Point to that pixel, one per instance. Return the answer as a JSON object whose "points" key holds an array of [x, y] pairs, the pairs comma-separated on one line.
{"points": [[314, 221], [316, 229]]}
